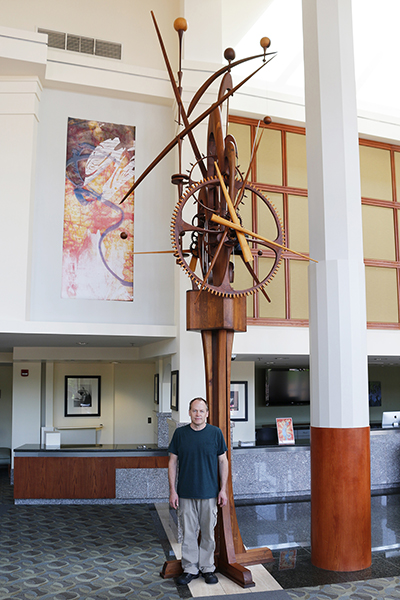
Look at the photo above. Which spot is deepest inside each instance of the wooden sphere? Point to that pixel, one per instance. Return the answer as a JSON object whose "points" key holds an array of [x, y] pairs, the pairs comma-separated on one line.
{"points": [[229, 54], [123, 235], [180, 24], [265, 42], [267, 120]]}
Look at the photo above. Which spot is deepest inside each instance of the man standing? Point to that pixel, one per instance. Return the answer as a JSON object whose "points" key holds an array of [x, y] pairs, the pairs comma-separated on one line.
{"points": [[201, 450]]}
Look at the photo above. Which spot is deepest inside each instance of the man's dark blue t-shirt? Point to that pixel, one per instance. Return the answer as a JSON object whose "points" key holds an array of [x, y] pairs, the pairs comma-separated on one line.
{"points": [[198, 452]]}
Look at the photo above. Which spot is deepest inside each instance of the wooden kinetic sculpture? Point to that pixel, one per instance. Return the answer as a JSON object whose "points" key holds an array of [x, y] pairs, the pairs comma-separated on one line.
{"points": [[208, 213]]}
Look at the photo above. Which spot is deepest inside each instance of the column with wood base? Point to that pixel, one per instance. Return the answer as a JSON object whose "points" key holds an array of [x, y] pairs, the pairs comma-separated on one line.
{"points": [[341, 498], [218, 318]]}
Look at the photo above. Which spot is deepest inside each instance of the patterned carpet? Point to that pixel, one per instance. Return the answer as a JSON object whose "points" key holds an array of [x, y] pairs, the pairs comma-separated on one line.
{"points": [[109, 552], [80, 552], [374, 589]]}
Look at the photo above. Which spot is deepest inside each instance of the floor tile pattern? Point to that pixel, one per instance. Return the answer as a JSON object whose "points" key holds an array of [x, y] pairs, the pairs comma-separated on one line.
{"points": [[74, 552]]}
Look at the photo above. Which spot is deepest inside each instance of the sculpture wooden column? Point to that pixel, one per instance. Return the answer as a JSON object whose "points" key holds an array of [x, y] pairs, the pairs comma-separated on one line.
{"points": [[217, 318]]}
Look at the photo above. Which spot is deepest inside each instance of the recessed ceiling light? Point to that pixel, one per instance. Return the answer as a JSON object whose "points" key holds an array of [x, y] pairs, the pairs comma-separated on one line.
{"points": [[82, 343]]}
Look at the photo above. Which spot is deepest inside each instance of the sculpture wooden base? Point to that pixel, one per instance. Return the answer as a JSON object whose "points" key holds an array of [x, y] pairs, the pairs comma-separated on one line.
{"points": [[218, 318]]}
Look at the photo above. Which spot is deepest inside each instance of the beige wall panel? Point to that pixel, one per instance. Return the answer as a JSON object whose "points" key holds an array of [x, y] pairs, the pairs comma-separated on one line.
{"points": [[269, 158], [298, 274], [241, 133], [275, 290], [298, 238], [375, 173], [296, 160], [266, 225], [378, 233], [243, 280], [381, 287]]}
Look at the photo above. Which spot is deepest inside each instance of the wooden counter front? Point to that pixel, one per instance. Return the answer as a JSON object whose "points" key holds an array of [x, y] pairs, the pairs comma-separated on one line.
{"points": [[74, 477]]}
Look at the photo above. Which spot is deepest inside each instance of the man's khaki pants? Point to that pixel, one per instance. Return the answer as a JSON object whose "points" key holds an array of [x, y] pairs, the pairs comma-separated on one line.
{"points": [[198, 515]]}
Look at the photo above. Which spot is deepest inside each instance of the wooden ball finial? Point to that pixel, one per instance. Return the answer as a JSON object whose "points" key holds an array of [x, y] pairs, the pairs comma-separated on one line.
{"points": [[180, 24], [123, 235], [267, 120], [265, 42], [229, 54]]}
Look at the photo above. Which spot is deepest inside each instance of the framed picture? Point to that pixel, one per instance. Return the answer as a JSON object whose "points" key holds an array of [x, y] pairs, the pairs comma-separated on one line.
{"points": [[284, 426], [375, 393], [174, 390], [157, 388], [238, 401], [82, 396]]}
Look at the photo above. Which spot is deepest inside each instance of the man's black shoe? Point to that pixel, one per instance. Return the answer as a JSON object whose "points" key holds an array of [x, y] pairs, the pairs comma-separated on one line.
{"points": [[210, 577], [186, 578]]}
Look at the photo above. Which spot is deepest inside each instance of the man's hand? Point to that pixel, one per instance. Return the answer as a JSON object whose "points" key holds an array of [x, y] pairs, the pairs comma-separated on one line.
{"points": [[173, 499], [222, 498], [172, 470], [223, 478]]}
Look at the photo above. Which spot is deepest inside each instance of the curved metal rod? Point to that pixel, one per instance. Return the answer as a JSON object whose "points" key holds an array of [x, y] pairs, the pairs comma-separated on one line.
{"points": [[201, 91], [185, 131]]}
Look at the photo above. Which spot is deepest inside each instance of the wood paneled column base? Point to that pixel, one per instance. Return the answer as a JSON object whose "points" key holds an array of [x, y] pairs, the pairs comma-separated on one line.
{"points": [[340, 498]]}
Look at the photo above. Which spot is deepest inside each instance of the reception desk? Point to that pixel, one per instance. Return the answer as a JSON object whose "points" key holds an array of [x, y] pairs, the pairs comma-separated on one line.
{"points": [[88, 473], [134, 474]]}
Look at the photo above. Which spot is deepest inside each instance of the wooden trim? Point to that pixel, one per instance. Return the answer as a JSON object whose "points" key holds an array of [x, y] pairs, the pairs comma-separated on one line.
{"points": [[340, 498], [52, 477], [278, 126], [58, 478]]}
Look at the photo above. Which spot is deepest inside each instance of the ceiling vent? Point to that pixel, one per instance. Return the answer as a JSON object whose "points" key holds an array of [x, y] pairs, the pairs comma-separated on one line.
{"points": [[85, 45]]}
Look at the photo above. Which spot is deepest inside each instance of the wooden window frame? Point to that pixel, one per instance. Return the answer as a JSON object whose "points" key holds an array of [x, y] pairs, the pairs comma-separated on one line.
{"points": [[285, 190]]}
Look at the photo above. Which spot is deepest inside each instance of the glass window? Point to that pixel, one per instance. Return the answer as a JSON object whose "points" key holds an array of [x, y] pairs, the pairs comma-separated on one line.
{"points": [[378, 232], [280, 171], [269, 158], [376, 181], [297, 235], [298, 276], [242, 133], [296, 160], [381, 286], [275, 290]]}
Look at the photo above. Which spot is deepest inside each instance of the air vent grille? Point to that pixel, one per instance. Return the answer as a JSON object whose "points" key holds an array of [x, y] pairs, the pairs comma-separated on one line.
{"points": [[85, 45]]}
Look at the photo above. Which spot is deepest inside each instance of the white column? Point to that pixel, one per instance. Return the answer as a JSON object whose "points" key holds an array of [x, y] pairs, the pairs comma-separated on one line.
{"points": [[19, 105], [339, 380], [340, 444]]}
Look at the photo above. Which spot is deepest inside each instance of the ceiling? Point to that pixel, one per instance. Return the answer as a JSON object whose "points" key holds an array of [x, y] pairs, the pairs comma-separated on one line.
{"points": [[28, 340]]}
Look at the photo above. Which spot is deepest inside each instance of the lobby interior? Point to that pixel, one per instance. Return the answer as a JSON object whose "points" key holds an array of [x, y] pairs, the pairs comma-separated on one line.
{"points": [[128, 344]]}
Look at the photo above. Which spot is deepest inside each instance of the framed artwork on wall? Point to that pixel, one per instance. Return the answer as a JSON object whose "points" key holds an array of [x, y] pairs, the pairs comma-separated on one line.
{"points": [[375, 393], [82, 396], [97, 261], [238, 401], [174, 390], [157, 388]]}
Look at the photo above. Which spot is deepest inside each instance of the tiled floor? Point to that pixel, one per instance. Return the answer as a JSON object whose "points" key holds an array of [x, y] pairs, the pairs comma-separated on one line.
{"points": [[285, 529]]}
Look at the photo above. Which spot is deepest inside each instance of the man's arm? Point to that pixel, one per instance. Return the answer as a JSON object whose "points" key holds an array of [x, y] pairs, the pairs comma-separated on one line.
{"points": [[223, 479], [172, 471]]}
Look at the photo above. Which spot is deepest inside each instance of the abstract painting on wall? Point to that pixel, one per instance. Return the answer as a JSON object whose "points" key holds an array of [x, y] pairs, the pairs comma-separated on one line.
{"points": [[98, 230]]}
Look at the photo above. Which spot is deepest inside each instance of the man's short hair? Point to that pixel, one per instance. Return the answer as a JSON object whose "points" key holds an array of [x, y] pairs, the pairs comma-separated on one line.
{"points": [[195, 399]]}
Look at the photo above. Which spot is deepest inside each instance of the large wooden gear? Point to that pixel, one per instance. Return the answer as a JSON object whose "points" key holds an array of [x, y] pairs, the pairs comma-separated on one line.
{"points": [[205, 236]]}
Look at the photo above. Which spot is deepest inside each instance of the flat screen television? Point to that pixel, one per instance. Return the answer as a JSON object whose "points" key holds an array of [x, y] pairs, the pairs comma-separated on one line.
{"points": [[287, 387]]}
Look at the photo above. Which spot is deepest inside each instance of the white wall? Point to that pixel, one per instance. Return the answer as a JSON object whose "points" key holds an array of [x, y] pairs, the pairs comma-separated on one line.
{"points": [[153, 273], [134, 404], [129, 24], [26, 404], [245, 431], [105, 371], [6, 375]]}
